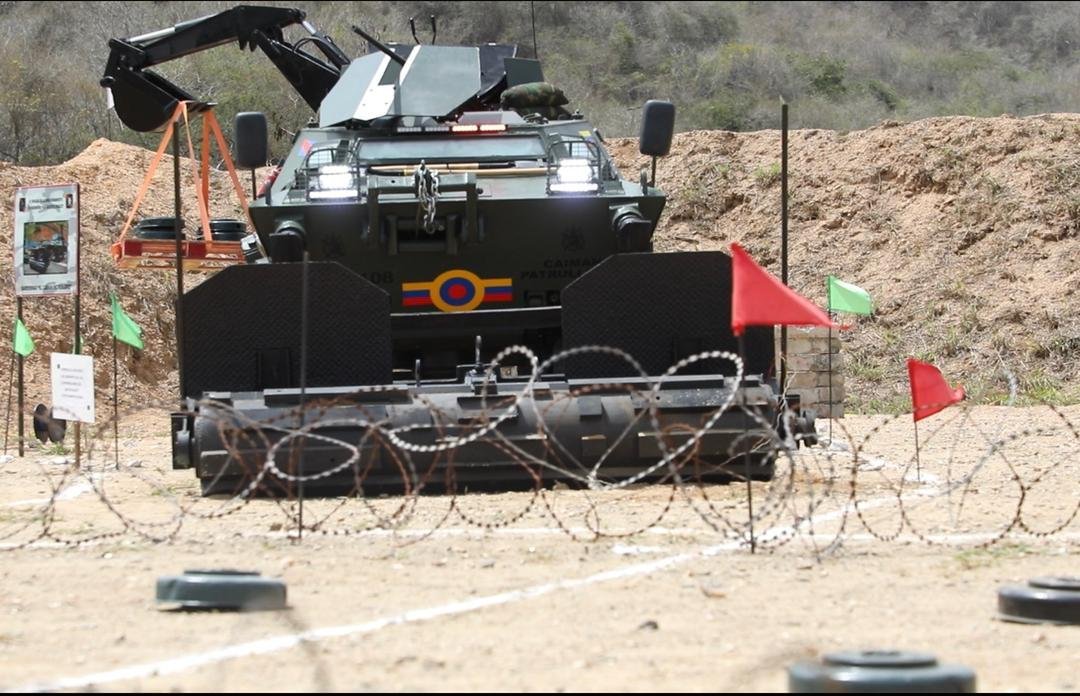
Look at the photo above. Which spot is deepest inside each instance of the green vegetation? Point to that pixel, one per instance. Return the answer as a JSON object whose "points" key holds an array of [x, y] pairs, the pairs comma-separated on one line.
{"points": [[984, 557], [57, 448], [840, 66]]}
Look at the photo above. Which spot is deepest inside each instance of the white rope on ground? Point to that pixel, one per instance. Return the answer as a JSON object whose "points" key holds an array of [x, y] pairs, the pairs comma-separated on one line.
{"points": [[284, 642]]}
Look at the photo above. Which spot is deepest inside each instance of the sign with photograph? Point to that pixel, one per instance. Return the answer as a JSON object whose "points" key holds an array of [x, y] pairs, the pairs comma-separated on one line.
{"points": [[46, 240]]}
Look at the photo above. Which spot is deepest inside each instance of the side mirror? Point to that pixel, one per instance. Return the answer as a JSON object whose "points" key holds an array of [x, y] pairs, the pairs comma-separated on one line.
{"points": [[657, 128], [251, 140]]}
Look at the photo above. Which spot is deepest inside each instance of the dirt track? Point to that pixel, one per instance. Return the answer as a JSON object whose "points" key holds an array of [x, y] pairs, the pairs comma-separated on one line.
{"points": [[440, 604]]}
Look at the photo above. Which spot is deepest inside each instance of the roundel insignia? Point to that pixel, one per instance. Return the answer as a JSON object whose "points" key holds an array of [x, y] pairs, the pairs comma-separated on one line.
{"points": [[457, 291]]}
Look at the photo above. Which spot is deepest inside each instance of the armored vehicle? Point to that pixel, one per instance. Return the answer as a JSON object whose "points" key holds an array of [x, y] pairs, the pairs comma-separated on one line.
{"points": [[444, 208]]}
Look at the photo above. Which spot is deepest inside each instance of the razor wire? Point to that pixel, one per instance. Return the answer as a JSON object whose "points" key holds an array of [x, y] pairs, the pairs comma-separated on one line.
{"points": [[822, 494]]}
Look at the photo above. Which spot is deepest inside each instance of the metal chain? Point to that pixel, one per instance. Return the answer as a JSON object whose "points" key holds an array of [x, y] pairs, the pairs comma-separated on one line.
{"points": [[426, 182]]}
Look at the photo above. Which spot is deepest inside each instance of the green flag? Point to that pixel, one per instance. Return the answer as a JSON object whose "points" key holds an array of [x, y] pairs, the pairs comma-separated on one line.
{"points": [[123, 327], [24, 345], [845, 297]]}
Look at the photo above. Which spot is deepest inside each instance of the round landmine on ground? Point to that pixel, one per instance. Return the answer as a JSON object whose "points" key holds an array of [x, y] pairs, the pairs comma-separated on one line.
{"points": [[879, 671], [1052, 600], [222, 590]]}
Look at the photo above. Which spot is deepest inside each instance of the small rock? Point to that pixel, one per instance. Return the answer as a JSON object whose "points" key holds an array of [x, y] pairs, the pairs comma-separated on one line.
{"points": [[4, 459], [487, 563], [1039, 638], [441, 562], [649, 625], [59, 461], [713, 590], [107, 555], [274, 526], [805, 565], [135, 464]]}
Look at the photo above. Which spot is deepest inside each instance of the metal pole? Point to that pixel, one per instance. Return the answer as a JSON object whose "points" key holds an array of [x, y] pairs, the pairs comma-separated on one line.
{"points": [[303, 381], [78, 351], [831, 405], [783, 238], [918, 466], [746, 452], [18, 314], [11, 383], [532, 13], [179, 262], [115, 407]]}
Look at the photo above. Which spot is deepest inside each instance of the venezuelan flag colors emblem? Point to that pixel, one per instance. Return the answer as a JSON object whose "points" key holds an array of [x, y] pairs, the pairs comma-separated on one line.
{"points": [[457, 291]]}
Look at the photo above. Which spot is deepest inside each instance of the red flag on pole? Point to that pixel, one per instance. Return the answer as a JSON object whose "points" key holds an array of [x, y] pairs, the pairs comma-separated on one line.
{"points": [[930, 392], [760, 299]]}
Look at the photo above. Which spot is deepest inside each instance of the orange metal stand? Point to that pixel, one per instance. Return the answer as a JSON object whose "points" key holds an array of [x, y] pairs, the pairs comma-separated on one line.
{"points": [[204, 254]]}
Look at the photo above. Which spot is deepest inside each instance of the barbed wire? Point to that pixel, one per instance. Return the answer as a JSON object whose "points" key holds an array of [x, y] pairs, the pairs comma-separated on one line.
{"points": [[986, 475]]}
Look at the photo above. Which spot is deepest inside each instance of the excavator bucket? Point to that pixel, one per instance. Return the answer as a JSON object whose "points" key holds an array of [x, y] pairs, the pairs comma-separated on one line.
{"points": [[143, 100]]}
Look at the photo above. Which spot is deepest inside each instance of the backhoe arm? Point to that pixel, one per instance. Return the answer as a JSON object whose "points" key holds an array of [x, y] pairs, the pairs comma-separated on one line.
{"points": [[144, 100]]}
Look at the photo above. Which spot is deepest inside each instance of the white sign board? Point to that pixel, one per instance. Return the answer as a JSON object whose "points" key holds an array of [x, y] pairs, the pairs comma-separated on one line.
{"points": [[73, 387], [46, 240]]}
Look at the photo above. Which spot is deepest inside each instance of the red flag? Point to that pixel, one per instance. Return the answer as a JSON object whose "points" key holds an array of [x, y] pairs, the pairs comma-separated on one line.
{"points": [[760, 299], [930, 392]]}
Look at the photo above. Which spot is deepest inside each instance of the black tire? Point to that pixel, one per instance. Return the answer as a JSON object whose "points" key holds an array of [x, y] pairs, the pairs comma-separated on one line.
{"points": [[41, 423], [225, 230], [158, 228], [57, 428]]}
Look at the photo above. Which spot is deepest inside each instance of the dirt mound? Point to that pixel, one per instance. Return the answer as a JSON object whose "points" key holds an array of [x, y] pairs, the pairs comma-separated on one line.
{"points": [[109, 175], [965, 231]]}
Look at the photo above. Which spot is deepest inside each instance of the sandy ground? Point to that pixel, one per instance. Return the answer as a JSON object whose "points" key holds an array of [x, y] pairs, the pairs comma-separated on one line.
{"points": [[669, 597]]}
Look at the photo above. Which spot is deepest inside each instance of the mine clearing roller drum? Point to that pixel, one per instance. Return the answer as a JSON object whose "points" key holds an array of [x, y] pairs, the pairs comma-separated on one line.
{"points": [[579, 432]]}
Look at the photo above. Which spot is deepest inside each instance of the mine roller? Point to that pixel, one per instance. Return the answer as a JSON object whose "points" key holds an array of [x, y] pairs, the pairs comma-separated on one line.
{"points": [[457, 286]]}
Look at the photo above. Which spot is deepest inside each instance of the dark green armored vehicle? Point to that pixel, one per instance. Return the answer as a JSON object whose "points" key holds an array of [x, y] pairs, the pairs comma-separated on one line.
{"points": [[459, 286]]}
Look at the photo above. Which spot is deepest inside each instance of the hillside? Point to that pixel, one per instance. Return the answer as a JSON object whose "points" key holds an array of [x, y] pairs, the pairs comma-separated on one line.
{"points": [[966, 232]]}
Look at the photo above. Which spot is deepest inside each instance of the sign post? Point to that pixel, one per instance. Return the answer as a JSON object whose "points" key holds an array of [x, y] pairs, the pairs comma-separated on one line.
{"points": [[46, 248]]}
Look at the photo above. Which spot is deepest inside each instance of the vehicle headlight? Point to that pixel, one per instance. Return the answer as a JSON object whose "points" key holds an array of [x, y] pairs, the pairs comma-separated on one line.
{"points": [[575, 176], [334, 181]]}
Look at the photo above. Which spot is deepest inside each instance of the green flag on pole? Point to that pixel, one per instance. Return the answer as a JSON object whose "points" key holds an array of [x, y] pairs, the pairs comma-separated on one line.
{"points": [[24, 345], [123, 328], [845, 297]]}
